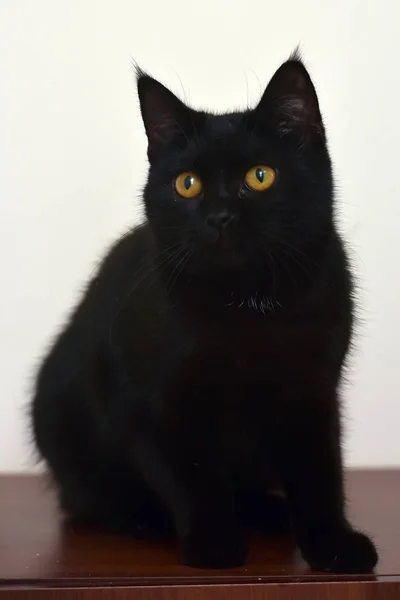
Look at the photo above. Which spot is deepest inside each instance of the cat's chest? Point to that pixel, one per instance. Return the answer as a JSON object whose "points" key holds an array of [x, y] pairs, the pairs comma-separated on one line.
{"points": [[260, 350]]}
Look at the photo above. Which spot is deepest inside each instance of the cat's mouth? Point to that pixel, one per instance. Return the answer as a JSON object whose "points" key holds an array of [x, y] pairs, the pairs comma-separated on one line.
{"points": [[224, 248], [225, 243], [215, 239], [223, 253]]}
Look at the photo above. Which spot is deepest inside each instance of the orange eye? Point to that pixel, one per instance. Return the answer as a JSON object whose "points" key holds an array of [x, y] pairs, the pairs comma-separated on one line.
{"points": [[188, 185], [260, 178]]}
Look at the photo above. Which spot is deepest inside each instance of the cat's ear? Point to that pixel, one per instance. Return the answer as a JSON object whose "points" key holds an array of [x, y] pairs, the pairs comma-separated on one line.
{"points": [[165, 117], [290, 101]]}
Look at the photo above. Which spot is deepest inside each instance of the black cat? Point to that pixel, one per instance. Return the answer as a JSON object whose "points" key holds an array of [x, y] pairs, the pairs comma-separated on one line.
{"points": [[200, 371]]}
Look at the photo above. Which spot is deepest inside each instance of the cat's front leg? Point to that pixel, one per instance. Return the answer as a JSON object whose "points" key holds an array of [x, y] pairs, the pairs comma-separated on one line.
{"points": [[308, 456], [186, 474]]}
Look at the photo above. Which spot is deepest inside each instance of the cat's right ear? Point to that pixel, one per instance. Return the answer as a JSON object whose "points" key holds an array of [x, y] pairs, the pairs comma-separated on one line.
{"points": [[165, 117], [290, 101]]}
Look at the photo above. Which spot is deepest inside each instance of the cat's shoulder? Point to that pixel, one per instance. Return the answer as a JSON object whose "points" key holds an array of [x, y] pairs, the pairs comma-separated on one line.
{"points": [[124, 258], [134, 245]]}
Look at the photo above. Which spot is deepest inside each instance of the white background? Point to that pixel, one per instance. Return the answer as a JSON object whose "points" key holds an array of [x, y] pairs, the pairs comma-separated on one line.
{"points": [[72, 160]]}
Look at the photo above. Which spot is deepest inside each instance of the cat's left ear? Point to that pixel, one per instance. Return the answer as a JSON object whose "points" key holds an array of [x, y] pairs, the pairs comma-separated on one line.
{"points": [[290, 101], [165, 117]]}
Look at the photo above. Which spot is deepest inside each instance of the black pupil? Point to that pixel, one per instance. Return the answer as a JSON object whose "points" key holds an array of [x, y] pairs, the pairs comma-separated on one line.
{"points": [[188, 181], [260, 175]]}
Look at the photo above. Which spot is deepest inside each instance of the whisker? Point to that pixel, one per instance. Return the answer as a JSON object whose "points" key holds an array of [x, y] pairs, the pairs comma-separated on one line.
{"points": [[178, 270], [297, 262], [176, 249]]}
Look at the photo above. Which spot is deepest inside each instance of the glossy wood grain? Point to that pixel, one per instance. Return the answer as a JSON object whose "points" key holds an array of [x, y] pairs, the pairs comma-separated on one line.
{"points": [[42, 558], [292, 591]]}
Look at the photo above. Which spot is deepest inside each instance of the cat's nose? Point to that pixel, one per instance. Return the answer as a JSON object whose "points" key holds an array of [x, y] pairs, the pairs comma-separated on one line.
{"points": [[219, 221]]}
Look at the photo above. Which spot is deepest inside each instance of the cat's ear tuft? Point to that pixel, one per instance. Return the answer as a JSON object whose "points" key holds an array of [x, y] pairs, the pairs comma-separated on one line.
{"points": [[290, 101], [165, 117]]}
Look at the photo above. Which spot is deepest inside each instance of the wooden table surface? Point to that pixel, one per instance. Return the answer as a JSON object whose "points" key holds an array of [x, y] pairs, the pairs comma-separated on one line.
{"points": [[40, 558]]}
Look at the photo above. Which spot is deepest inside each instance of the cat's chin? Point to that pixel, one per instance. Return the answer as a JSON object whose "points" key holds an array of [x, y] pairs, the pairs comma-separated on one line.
{"points": [[219, 266], [223, 255]]}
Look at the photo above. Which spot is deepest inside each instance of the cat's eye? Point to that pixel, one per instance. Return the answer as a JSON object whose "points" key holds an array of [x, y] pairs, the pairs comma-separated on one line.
{"points": [[260, 178], [188, 185]]}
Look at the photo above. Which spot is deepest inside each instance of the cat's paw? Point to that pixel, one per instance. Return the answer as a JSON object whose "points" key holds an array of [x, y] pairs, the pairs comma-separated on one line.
{"points": [[346, 551], [214, 548]]}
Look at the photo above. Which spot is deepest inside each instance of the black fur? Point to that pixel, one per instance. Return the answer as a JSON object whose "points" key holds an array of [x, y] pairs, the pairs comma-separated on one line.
{"points": [[200, 371]]}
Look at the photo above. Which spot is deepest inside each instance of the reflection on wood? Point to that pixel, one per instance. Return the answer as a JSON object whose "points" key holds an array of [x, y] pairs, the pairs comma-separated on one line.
{"points": [[40, 557]]}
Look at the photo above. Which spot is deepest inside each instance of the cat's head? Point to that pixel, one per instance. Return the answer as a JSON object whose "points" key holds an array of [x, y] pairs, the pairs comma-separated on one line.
{"points": [[243, 190]]}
